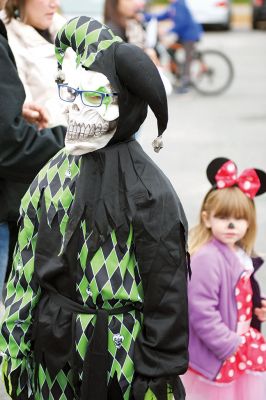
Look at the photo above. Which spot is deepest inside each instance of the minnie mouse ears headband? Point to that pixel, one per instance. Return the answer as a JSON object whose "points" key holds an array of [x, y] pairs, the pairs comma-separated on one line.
{"points": [[222, 173]]}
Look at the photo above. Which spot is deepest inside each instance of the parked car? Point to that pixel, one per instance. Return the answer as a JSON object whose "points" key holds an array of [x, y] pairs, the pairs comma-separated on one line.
{"points": [[258, 12], [216, 13]]}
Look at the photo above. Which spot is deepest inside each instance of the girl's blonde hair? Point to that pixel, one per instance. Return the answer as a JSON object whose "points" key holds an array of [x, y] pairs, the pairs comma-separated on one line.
{"points": [[225, 203]]}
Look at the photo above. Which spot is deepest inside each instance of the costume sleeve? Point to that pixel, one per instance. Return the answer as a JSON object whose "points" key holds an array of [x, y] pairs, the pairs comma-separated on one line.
{"points": [[161, 350], [22, 295], [204, 314], [24, 149]]}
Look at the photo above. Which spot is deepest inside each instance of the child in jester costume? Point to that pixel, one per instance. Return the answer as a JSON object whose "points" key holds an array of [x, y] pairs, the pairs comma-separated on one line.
{"points": [[96, 305]]}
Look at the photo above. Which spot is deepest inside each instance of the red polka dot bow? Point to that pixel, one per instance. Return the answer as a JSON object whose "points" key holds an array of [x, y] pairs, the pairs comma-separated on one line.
{"points": [[248, 181]]}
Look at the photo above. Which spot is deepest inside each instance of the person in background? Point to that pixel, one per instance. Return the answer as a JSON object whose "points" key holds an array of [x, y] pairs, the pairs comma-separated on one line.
{"points": [[24, 148], [186, 29], [34, 114], [122, 16], [227, 354], [31, 26]]}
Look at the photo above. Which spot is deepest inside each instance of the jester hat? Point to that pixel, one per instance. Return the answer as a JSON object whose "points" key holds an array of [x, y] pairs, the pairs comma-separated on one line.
{"points": [[130, 71]]}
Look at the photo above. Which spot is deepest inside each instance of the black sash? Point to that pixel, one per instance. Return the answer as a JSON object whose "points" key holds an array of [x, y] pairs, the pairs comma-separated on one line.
{"points": [[95, 365]]}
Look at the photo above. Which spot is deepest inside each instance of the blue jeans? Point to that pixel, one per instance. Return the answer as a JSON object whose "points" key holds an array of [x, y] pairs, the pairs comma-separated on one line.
{"points": [[4, 250]]}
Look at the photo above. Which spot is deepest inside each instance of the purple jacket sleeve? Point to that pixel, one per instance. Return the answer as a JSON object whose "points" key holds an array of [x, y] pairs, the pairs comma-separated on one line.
{"points": [[204, 313]]}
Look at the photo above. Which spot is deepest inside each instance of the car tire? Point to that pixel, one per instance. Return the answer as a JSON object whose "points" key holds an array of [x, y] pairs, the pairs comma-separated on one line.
{"points": [[224, 27], [227, 26], [255, 19]]}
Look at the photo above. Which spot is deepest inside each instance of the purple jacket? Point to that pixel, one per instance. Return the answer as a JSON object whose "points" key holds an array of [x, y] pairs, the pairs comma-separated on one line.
{"points": [[212, 307]]}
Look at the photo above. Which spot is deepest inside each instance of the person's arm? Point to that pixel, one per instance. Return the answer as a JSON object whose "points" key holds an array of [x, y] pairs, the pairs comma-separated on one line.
{"points": [[166, 14], [21, 296], [204, 313], [260, 312], [23, 72], [23, 149]]}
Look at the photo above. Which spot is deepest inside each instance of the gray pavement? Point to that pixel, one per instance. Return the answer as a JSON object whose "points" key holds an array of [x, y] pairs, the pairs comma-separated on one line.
{"points": [[232, 125]]}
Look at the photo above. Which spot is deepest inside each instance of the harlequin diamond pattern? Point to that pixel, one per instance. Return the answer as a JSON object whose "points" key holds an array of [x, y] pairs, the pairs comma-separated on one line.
{"points": [[127, 327], [111, 274], [60, 388], [110, 279], [87, 37]]}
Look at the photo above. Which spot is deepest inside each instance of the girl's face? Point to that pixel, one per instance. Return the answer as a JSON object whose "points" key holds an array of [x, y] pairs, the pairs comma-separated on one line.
{"points": [[227, 230], [127, 8], [39, 13]]}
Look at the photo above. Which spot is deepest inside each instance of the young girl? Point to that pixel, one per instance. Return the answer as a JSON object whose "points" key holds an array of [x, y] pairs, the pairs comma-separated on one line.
{"points": [[227, 355]]}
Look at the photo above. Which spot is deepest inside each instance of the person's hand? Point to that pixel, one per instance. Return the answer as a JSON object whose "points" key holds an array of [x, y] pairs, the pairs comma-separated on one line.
{"points": [[35, 114], [261, 312], [140, 17]]}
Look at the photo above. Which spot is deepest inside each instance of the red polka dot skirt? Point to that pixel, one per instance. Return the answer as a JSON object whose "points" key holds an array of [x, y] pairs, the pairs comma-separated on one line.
{"points": [[251, 354]]}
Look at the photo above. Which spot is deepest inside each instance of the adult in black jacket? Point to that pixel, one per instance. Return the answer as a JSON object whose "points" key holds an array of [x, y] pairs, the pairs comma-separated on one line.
{"points": [[23, 148]]}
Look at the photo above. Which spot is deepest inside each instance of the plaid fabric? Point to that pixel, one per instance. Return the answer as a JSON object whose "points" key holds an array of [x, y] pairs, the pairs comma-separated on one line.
{"points": [[111, 279]]}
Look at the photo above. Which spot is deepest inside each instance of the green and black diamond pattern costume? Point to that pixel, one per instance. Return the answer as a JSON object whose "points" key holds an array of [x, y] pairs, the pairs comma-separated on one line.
{"points": [[98, 291]]}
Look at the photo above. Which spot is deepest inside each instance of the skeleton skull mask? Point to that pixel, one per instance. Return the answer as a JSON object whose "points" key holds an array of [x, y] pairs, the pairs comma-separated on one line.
{"points": [[92, 115]]}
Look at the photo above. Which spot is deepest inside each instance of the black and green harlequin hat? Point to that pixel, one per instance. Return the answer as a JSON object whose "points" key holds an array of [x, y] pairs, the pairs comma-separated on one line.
{"points": [[130, 71], [87, 37]]}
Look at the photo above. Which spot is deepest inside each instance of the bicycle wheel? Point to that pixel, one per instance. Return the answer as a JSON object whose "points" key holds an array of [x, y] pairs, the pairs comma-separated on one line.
{"points": [[211, 72]]}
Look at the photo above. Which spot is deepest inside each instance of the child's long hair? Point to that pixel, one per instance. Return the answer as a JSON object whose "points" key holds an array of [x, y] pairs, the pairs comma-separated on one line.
{"points": [[226, 203], [112, 14]]}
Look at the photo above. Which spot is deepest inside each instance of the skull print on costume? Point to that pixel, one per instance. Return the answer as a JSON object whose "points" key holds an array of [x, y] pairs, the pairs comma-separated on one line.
{"points": [[90, 127]]}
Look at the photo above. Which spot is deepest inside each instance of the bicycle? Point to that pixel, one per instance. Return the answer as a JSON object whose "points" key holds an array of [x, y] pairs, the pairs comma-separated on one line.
{"points": [[211, 71]]}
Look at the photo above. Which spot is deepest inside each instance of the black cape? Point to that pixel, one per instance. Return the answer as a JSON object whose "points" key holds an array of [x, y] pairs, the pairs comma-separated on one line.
{"points": [[128, 188]]}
